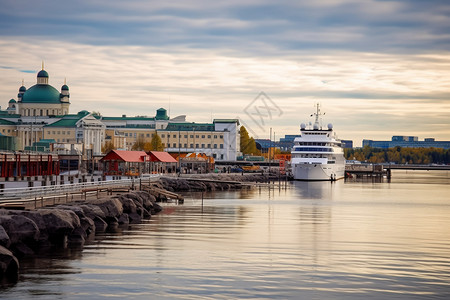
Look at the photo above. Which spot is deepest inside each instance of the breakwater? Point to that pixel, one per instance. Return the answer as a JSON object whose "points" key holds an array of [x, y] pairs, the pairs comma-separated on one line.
{"points": [[26, 232]]}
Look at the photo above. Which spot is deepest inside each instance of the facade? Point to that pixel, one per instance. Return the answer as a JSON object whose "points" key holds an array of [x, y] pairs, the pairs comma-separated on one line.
{"points": [[407, 141], [41, 112], [219, 139]]}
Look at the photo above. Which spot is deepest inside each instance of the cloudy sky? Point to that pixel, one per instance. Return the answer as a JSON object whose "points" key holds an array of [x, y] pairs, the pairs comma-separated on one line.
{"points": [[378, 68]]}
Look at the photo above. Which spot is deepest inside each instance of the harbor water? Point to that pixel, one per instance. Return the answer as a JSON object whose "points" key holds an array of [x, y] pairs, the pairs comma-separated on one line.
{"points": [[306, 240]]}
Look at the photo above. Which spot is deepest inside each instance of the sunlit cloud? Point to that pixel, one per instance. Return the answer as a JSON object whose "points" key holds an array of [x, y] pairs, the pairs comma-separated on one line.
{"points": [[379, 68]]}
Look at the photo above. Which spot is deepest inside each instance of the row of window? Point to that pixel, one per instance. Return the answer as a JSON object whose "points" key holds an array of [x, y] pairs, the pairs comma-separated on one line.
{"points": [[313, 149], [197, 136], [40, 112], [174, 145]]}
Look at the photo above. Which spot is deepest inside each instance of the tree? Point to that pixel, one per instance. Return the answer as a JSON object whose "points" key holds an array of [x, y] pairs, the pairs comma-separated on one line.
{"points": [[248, 144], [156, 144], [139, 144], [108, 146]]}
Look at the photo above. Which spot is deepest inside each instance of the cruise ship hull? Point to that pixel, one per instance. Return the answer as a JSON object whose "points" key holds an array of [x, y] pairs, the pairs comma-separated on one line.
{"points": [[318, 172]]}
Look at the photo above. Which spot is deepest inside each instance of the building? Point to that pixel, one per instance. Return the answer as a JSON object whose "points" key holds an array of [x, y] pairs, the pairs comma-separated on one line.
{"points": [[407, 141], [41, 112], [219, 139]]}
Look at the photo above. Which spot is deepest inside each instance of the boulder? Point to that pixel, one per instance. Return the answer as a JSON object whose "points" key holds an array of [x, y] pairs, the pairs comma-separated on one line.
{"points": [[20, 229], [60, 223], [123, 219], [4, 238], [111, 207], [9, 265]]}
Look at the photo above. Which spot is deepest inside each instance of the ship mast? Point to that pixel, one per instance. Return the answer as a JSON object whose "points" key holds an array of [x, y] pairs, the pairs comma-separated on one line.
{"points": [[317, 114]]}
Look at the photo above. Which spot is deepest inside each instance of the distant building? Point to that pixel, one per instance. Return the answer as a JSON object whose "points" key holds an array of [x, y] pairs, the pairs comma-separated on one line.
{"points": [[407, 141], [41, 113], [347, 143]]}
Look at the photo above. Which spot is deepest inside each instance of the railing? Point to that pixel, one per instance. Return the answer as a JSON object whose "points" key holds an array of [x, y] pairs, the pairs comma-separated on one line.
{"points": [[41, 191]]}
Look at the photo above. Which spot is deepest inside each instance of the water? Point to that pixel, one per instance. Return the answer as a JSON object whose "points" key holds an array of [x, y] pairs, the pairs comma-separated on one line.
{"points": [[343, 240]]}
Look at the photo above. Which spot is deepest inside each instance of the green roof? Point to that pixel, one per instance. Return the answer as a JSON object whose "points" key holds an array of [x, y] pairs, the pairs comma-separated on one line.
{"points": [[189, 127], [6, 122], [42, 73], [68, 120], [226, 121], [126, 118], [41, 93]]}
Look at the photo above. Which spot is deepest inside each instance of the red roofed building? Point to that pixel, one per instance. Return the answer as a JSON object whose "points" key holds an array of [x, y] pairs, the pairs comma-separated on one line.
{"points": [[130, 163], [162, 162]]}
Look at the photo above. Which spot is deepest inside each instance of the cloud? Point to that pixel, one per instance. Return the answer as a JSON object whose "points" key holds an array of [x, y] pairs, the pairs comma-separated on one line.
{"points": [[377, 66]]}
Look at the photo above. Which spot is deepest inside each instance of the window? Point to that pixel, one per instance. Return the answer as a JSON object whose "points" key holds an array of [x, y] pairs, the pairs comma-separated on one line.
{"points": [[221, 156], [174, 145], [192, 136], [203, 136], [185, 145], [174, 135], [185, 136], [196, 145], [135, 134], [203, 145], [196, 136], [215, 146], [126, 133], [215, 136], [221, 146], [48, 132], [59, 132], [192, 146], [209, 136], [148, 134], [209, 146], [142, 135], [163, 135], [221, 136]]}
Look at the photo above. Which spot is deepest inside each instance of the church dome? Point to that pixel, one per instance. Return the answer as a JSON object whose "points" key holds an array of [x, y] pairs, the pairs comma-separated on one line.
{"points": [[42, 73], [64, 88], [22, 89], [12, 101], [41, 93]]}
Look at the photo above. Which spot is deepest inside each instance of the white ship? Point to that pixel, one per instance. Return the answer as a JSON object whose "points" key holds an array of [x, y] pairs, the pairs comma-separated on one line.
{"points": [[318, 153]]}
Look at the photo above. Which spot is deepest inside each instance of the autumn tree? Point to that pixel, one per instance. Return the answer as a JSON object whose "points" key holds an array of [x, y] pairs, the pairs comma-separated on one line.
{"points": [[108, 146], [138, 145], [247, 143], [156, 144]]}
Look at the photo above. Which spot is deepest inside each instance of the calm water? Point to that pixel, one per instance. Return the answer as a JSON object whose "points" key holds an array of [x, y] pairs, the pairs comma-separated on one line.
{"points": [[344, 240]]}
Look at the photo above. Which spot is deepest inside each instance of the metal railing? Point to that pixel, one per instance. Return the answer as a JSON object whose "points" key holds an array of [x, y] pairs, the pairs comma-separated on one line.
{"points": [[48, 190]]}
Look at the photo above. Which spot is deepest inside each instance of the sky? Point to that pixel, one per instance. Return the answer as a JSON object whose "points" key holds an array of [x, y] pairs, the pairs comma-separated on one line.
{"points": [[377, 68]]}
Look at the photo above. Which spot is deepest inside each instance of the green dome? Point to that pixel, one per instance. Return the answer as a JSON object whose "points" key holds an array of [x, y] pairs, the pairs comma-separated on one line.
{"points": [[12, 101], [22, 89], [65, 88], [42, 73], [41, 93]]}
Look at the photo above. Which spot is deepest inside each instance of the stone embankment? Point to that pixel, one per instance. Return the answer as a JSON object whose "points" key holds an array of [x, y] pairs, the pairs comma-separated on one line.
{"points": [[213, 182], [23, 233]]}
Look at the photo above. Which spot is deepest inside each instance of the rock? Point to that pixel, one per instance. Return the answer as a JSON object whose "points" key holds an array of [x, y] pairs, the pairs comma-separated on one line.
{"points": [[20, 250], [20, 229], [128, 204], [100, 224], [4, 238], [9, 265], [134, 218], [93, 211], [123, 219], [111, 207], [60, 223]]}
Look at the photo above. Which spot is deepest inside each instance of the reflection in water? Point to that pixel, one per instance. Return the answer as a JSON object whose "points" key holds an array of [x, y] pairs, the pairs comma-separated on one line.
{"points": [[312, 240]]}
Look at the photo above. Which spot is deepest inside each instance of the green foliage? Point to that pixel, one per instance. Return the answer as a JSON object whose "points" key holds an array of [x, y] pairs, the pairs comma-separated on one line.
{"points": [[399, 155], [248, 144]]}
